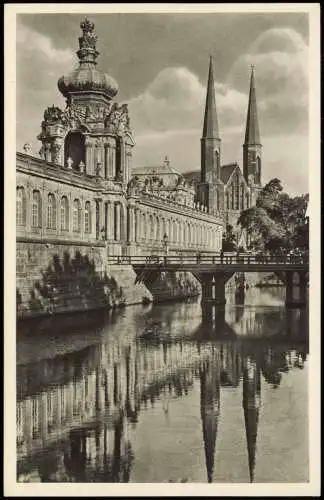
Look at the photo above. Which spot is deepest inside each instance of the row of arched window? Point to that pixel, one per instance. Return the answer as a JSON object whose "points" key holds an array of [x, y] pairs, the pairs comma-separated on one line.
{"points": [[51, 214], [153, 228], [236, 198]]}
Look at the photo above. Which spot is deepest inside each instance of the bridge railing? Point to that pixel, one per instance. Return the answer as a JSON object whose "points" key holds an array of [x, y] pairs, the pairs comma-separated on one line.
{"points": [[211, 259]]}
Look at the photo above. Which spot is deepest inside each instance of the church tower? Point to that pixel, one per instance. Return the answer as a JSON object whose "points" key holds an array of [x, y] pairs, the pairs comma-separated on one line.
{"points": [[252, 163], [210, 149]]}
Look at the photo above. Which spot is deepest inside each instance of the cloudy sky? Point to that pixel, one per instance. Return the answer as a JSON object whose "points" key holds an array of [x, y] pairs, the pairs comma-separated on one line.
{"points": [[160, 62]]}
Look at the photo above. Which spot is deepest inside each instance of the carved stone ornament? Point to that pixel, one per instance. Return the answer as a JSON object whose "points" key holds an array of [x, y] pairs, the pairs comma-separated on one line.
{"points": [[133, 186], [53, 114], [73, 117], [117, 119]]}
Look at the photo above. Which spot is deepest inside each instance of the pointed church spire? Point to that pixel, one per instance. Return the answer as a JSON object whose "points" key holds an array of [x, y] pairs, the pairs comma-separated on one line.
{"points": [[210, 129], [210, 410], [251, 405], [252, 133]]}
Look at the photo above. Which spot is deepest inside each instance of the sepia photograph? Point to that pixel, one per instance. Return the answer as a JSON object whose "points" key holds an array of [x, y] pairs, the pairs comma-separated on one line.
{"points": [[161, 192]]}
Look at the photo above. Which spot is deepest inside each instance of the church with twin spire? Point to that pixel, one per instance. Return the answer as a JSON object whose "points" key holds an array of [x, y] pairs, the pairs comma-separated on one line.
{"points": [[228, 189]]}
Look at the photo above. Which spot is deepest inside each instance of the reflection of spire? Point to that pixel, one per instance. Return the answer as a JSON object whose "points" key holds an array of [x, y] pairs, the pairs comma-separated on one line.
{"points": [[251, 405], [210, 410]]}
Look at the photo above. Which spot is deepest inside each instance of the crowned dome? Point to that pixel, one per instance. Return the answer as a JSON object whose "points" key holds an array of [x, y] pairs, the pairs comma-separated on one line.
{"points": [[87, 76]]}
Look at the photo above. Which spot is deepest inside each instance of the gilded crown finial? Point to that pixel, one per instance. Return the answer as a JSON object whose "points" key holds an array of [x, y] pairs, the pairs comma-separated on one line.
{"points": [[87, 26], [87, 52]]}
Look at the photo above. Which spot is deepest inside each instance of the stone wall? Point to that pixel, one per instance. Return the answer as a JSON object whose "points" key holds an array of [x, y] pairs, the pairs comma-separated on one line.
{"points": [[60, 278], [71, 277]]}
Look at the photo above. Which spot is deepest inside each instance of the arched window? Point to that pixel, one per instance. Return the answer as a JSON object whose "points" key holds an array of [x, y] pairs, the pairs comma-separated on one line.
{"points": [[143, 226], [185, 233], [64, 214], [87, 217], [152, 229], [76, 216], [158, 229], [74, 148], [36, 209], [176, 233], [169, 230], [227, 200], [217, 160], [258, 170], [164, 228], [247, 200], [20, 207], [237, 193], [51, 211], [242, 196]]}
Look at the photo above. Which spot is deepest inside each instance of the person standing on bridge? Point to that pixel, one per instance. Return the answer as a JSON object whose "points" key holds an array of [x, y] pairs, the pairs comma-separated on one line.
{"points": [[221, 256]]}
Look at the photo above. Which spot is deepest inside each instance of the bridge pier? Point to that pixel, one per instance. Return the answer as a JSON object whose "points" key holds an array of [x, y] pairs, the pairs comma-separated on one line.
{"points": [[213, 314], [291, 299], [213, 296], [213, 288]]}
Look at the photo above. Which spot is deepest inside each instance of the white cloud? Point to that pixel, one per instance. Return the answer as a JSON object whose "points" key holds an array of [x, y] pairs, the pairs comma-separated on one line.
{"points": [[175, 100], [30, 41], [280, 57], [40, 64]]}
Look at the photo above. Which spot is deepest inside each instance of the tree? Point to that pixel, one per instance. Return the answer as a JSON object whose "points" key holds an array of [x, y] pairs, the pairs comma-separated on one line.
{"points": [[277, 221], [229, 243]]}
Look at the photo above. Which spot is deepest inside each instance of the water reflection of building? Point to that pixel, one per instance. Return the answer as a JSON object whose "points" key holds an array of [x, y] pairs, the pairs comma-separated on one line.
{"points": [[110, 380], [251, 407], [210, 409], [87, 400]]}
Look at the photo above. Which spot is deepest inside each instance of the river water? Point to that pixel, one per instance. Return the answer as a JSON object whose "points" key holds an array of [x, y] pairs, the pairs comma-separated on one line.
{"points": [[151, 394]]}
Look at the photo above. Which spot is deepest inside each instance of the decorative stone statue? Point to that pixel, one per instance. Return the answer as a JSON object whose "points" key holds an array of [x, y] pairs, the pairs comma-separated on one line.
{"points": [[69, 162], [133, 186], [81, 167], [52, 114], [41, 152], [27, 148]]}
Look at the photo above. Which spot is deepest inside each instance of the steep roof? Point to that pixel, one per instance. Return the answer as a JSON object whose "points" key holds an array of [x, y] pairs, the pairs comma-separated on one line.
{"points": [[226, 171], [164, 169], [194, 176], [210, 128], [252, 133]]}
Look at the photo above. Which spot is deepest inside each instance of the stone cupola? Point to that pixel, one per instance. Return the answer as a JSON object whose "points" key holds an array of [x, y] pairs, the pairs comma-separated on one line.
{"points": [[92, 135]]}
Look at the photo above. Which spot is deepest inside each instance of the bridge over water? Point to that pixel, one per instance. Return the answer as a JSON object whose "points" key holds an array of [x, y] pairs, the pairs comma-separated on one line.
{"points": [[214, 270]]}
